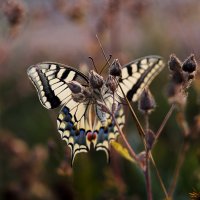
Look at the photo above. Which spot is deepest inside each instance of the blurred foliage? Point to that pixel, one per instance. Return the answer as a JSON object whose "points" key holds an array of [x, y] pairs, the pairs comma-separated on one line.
{"points": [[34, 162]]}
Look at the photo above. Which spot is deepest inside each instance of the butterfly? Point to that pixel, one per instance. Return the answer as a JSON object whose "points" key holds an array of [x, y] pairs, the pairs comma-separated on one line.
{"points": [[82, 121]]}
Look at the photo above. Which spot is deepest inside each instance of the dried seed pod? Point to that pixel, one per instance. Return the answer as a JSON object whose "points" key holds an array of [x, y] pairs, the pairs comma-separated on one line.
{"points": [[146, 103], [176, 94], [181, 79], [116, 68], [87, 92], [174, 63], [75, 87], [111, 83], [96, 81], [79, 97], [176, 70], [190, 64]]}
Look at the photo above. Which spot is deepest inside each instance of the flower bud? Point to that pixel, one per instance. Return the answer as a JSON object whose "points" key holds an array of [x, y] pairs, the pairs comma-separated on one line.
{"points": [[146, 103], [75, 87], [190, 64], [96, 81], [111, 83], [116, 68]]}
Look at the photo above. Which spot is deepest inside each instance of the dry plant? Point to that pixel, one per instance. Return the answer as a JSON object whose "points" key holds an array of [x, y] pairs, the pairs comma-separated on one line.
{"points": [[29, 163], [181, 76]]}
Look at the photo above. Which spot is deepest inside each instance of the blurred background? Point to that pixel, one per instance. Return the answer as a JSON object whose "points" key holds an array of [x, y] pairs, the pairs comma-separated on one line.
{"points": [[34, 162]]}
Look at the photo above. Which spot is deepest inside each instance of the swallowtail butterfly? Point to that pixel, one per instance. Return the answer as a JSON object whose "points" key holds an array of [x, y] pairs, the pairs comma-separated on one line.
{"points": [[81, 123]]}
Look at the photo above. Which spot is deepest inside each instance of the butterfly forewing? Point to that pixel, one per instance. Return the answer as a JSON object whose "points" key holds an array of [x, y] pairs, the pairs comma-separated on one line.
{"points": [[50, 81], [137, 75]]}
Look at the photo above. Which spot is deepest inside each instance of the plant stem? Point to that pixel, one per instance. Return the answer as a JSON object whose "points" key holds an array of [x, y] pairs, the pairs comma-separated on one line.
{"points": [[179, 164], [165, 121], [147, 167], [147, 177], [159, 177], [135, 157], [125, 140], [139, 126]]}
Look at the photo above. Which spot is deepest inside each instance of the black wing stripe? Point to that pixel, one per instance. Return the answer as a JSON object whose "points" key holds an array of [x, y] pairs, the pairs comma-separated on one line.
{"points": [[139, 81], [55, 101], [137, 75], [65, 74], [129, 68]]}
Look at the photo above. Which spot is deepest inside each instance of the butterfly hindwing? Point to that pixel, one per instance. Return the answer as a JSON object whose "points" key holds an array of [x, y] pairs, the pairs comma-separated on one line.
{"points": [[108, 131], [74, 125], [137, 75], [50, 81]]}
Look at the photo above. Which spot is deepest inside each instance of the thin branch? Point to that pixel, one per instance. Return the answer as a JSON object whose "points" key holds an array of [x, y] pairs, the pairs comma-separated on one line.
{"points": [[165, 121], [135, 157], [179, 164], [146, 119], [147, 167], [139, 126], [147, 177], [159, 177], [125, 140], [183, 123]]}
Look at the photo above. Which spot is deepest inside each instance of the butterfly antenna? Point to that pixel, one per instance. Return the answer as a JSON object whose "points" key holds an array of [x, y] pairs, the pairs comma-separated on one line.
{"points": [[93, 64], [110, 56], [107, 60]]}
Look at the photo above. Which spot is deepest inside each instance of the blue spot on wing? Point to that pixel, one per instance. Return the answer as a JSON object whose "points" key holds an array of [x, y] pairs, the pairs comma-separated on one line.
{"points": [[68, 116], [78, 135], [80, 138], [65, 110], [70, 125], [102, 134]]}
